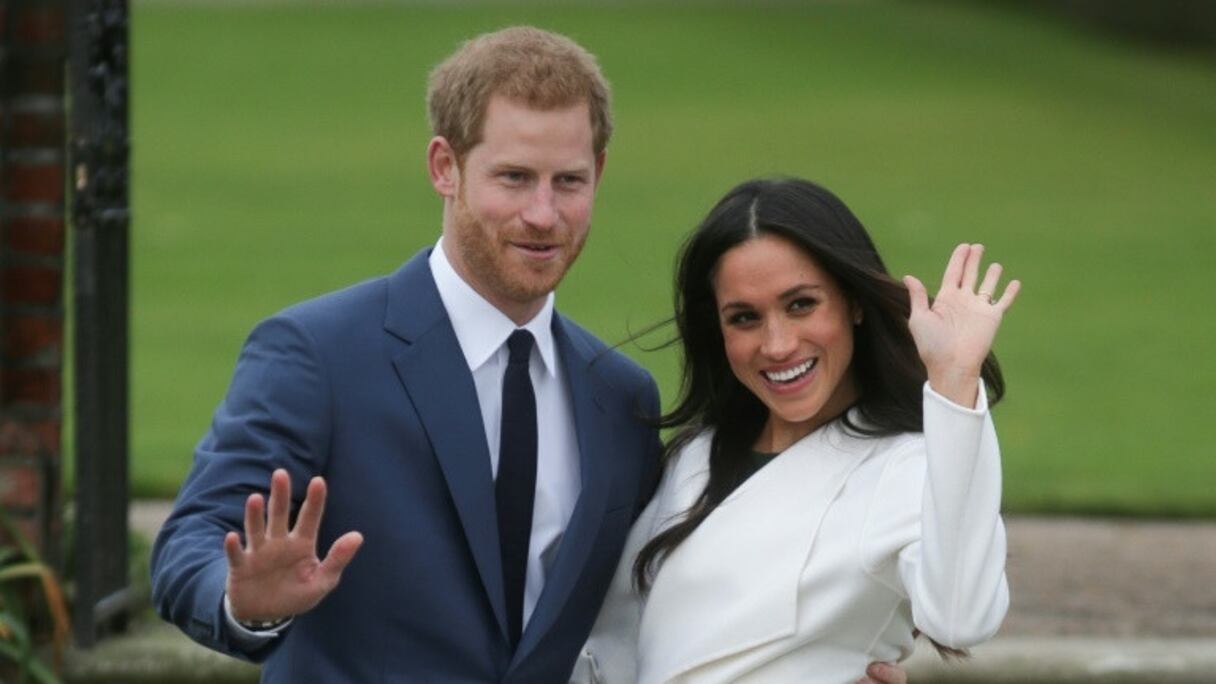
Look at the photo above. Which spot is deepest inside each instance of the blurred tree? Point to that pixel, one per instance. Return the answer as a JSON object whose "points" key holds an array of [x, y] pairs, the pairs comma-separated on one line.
{"points": [[1185, 23]]}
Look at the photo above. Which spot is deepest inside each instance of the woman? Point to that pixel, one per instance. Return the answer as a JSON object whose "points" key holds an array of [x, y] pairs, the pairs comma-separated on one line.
{"points": [[834, 485]]}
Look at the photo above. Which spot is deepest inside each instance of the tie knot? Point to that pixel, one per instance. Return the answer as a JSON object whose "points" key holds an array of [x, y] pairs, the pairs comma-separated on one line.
{"points": [[519, 344]]}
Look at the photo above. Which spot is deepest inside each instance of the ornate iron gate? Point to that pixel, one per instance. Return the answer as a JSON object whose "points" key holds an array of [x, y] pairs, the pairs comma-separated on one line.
{"points": [[99, 150]]}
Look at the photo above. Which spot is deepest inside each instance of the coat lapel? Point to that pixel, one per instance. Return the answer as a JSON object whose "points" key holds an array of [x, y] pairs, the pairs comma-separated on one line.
{"points": [[585, 386], [736, 553], [440, 386]]}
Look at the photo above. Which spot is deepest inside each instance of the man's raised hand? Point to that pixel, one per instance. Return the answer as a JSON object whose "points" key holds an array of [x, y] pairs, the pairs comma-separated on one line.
{"points": [[277, 574]]}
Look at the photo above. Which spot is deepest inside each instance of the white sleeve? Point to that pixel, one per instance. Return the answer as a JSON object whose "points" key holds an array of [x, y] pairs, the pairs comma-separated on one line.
{"points": [[610, 655], [955, 573]]}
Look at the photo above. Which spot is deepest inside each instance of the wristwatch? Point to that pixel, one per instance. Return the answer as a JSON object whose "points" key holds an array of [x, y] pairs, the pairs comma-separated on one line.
{"points": [[252, 625], [262, 625]]}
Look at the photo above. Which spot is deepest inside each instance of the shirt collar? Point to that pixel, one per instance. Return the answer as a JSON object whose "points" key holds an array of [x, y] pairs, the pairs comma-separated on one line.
{"points": [[481, 329]]}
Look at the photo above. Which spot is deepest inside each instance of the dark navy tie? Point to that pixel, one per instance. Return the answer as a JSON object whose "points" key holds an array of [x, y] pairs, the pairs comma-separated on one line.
{"points": [[516, 483]]}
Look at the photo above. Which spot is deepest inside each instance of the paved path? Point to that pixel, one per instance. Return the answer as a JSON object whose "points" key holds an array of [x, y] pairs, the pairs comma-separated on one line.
{"points": [[1111, 578], [1072, 576], [1094, 602]]}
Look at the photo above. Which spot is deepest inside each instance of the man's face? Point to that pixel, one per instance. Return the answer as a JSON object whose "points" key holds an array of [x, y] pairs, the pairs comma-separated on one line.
{"points": [[520, 208]]}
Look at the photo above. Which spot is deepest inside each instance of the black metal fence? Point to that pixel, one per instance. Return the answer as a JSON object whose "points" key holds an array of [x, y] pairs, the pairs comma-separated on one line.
{"points": [[99, 150]]}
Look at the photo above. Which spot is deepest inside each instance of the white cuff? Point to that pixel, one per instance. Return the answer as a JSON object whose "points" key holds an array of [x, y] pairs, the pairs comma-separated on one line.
{"points": [[981, 400], [248, 637]]}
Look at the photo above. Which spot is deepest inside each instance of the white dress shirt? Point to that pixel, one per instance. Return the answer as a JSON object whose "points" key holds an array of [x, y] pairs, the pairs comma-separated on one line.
{"points": [[482, 331]]}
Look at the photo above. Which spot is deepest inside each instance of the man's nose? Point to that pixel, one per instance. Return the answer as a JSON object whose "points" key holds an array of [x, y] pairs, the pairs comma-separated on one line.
{"points": [[541, 212]]}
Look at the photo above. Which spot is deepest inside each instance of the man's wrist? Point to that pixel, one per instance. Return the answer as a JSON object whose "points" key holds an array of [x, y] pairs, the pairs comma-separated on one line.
{"points": [[262, 625], [259, 627]]}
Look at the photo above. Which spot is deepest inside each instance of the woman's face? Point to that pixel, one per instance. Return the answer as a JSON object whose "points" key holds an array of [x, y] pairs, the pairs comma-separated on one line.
{"points": [[788, 333]]}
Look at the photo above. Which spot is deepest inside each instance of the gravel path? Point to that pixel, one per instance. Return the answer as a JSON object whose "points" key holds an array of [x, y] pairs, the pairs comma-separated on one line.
{"points": [[1072, 576]]}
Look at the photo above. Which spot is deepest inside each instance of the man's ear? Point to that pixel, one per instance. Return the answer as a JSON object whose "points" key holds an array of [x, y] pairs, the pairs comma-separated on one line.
{"points": [[442, 165], [599, 166]]}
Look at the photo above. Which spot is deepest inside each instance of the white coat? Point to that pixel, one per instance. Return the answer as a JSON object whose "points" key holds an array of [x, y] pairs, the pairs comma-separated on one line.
{"points": [[820, 563]]}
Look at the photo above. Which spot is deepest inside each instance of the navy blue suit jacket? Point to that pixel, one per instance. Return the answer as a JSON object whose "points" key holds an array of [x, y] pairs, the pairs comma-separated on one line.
{"points": [[368, 388]]}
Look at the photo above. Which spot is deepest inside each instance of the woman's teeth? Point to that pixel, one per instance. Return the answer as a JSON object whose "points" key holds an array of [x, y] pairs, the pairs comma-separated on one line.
{"points": [[790, 374]]}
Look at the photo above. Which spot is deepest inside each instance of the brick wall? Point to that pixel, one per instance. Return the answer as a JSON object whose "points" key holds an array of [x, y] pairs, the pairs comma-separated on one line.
{"points": [[32, 238]]}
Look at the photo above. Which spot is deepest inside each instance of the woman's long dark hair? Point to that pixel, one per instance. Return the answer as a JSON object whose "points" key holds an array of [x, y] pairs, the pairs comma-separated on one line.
{"points": [[886, 368]]}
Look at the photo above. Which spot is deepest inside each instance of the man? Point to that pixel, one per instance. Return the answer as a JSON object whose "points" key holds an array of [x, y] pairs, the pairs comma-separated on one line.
{"points": [[393, 392], [482, 454]]}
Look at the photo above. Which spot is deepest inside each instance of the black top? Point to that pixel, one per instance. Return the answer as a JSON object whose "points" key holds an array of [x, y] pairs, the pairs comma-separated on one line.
{"points": [[758, 459]]}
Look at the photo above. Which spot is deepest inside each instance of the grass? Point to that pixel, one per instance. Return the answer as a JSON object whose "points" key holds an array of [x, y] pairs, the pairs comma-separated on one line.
{"points": [[278, 154]]}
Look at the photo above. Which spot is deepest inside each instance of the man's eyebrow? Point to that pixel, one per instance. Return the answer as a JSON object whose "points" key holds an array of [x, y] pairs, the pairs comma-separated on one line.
{"points": [[508, 166]]}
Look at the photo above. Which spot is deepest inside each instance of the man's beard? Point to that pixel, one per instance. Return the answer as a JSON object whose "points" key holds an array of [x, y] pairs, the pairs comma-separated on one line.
{"points": [[490, 264]]}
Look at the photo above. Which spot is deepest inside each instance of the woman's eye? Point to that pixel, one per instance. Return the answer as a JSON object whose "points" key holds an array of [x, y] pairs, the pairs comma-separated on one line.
{"points": [[802, 304], [741, 318]]}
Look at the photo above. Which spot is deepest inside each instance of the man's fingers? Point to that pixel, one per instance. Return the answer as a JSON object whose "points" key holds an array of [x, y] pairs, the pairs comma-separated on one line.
{"points": [[886, 673], [340, 555], [309, 520], [232, 549], [279, 509], [255, 520]]}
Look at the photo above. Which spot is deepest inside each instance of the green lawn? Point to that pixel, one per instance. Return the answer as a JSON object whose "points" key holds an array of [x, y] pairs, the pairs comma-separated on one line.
{"points": [[278, 154]]}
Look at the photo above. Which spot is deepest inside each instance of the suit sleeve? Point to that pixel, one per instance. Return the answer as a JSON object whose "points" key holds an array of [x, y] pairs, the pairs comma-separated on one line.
{"points": [[610, 655], [276, 414], [654, 448]]}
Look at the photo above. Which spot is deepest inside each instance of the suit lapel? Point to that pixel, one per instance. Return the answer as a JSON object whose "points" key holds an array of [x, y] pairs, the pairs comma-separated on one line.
{"points": [[585, 386], [435, 375]]}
